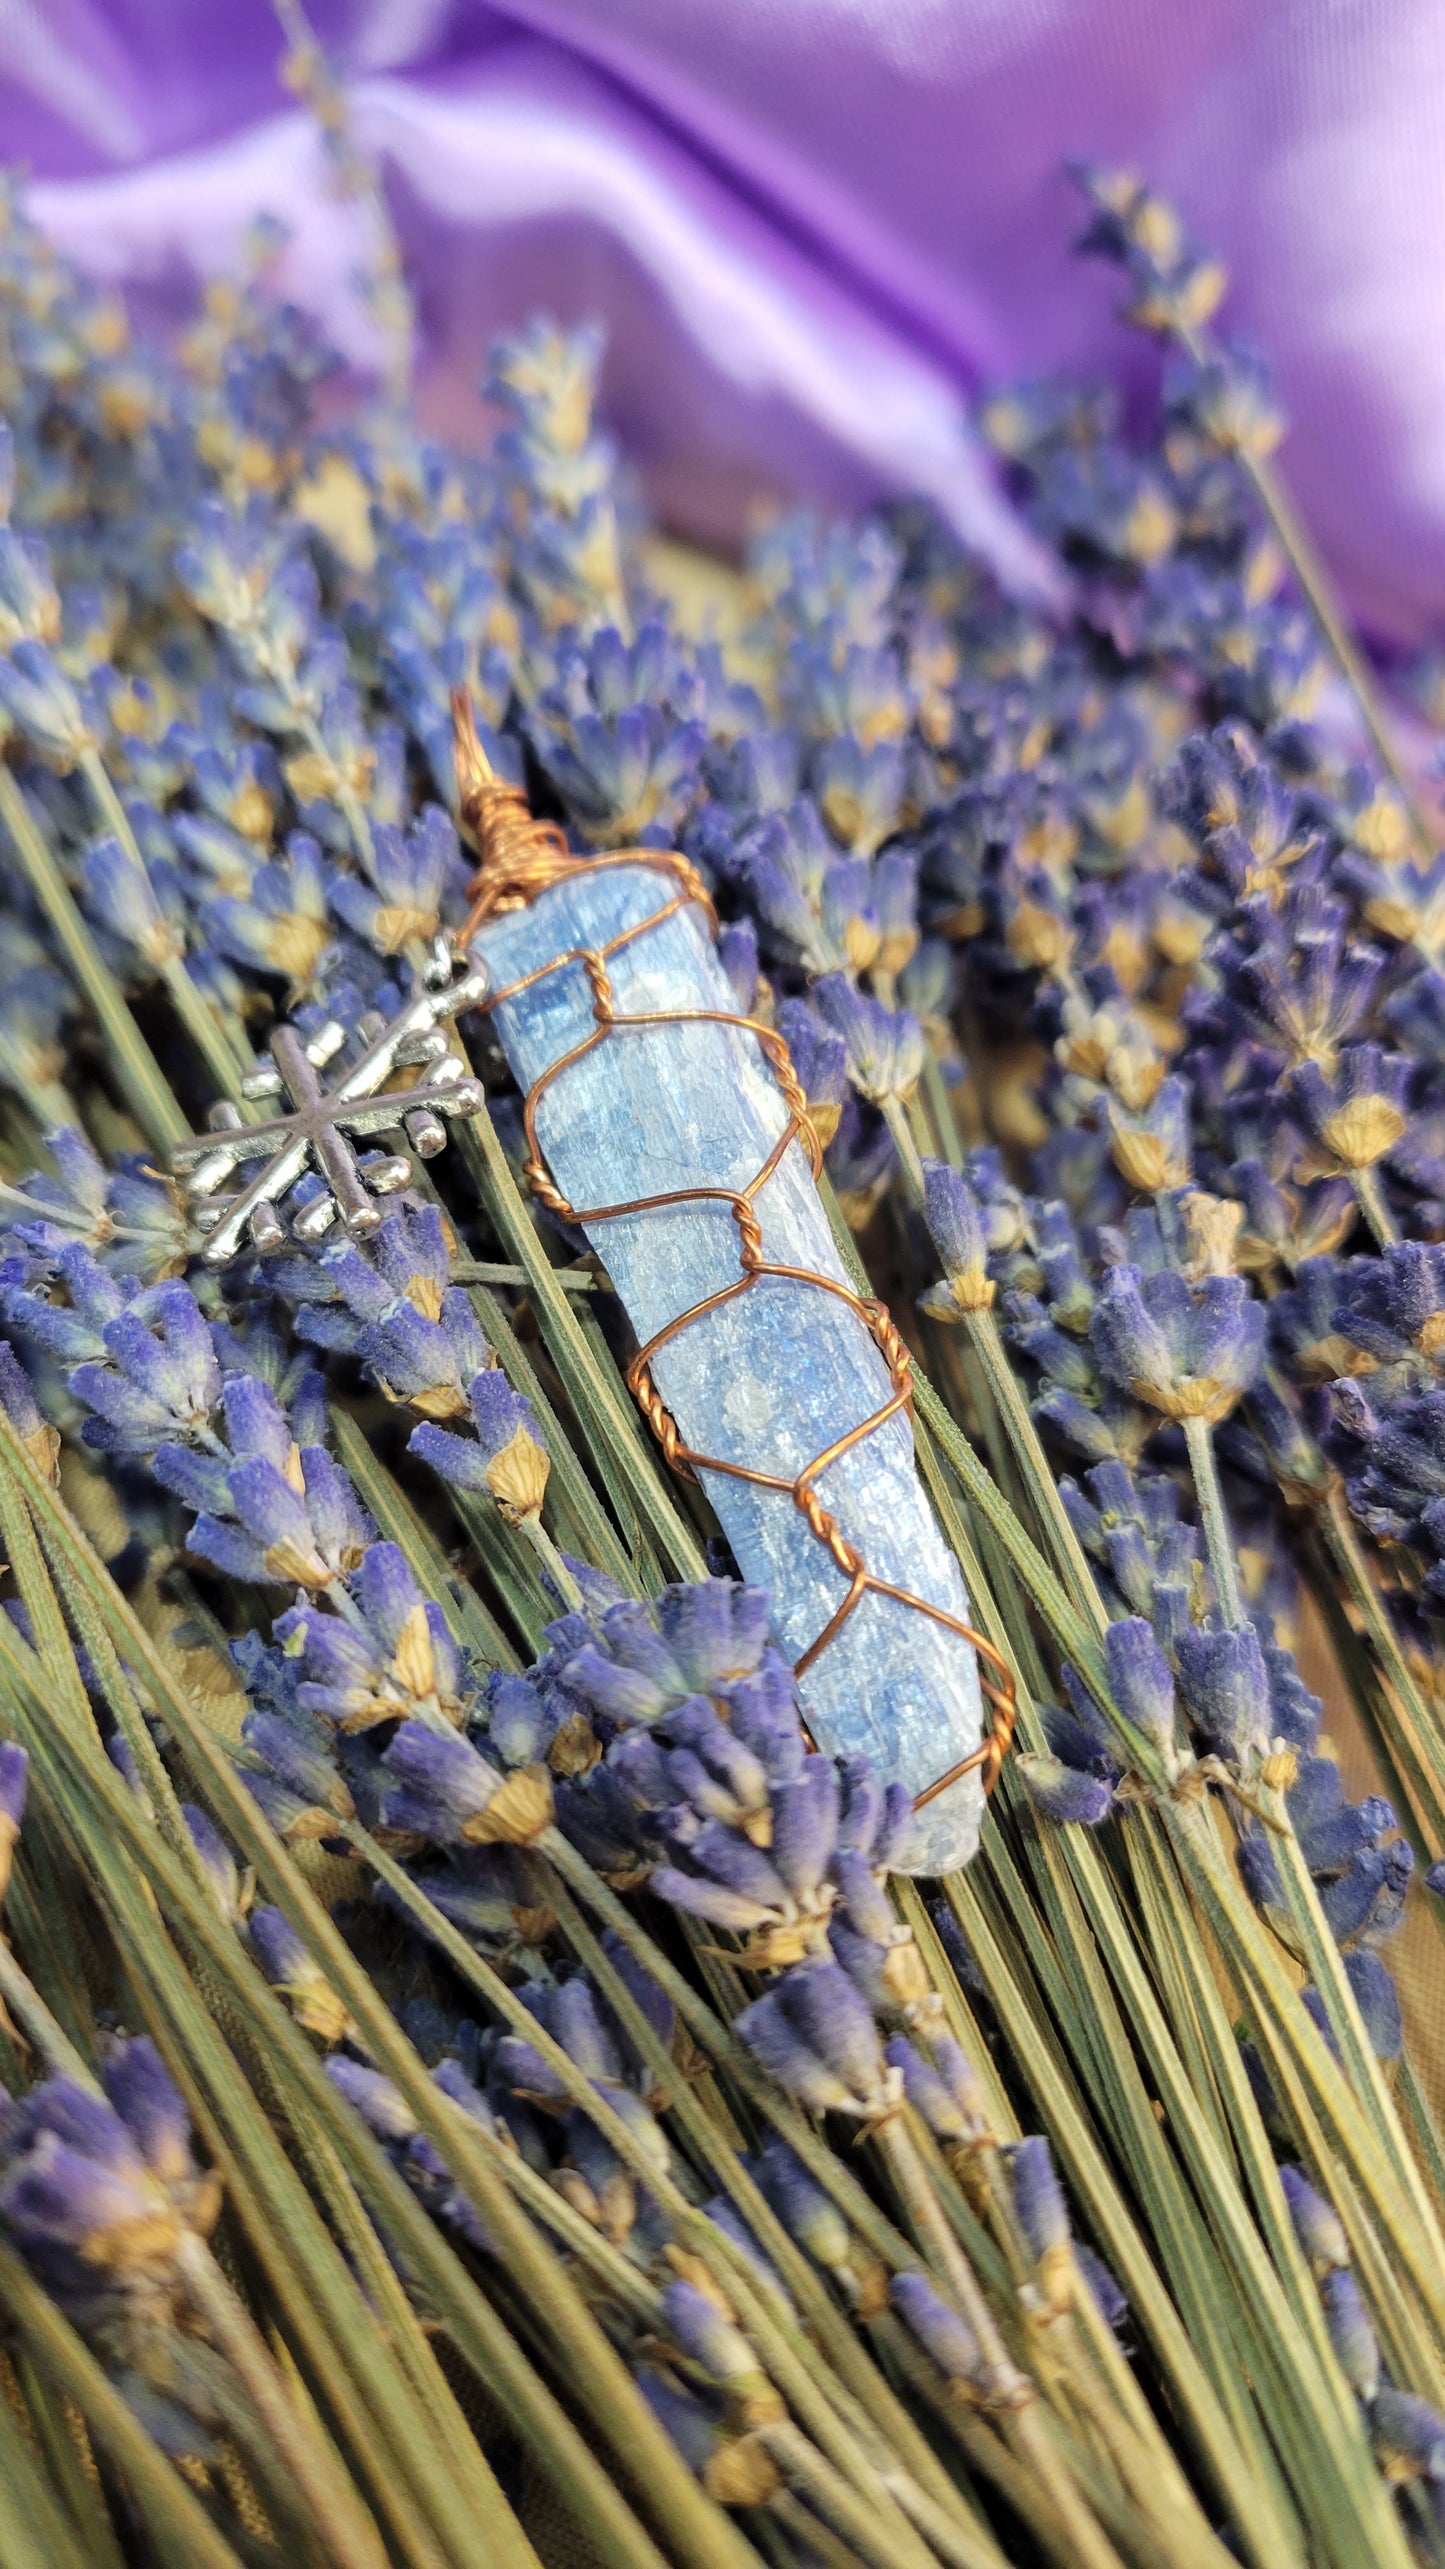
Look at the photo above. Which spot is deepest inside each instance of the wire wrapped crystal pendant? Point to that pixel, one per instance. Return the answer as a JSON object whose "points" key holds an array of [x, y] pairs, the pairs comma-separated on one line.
{"points": [[675, 1133]]}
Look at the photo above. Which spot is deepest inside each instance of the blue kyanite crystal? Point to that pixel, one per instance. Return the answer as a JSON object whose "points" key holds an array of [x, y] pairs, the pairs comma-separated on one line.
{"points": [[774, 1376]]}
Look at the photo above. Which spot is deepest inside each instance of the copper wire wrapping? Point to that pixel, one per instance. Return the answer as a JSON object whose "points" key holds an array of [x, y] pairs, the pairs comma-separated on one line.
{"points": [[521, 857]]}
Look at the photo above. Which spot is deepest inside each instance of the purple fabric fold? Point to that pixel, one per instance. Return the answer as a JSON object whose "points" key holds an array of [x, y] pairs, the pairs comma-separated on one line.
{"points": [[813, 226]]}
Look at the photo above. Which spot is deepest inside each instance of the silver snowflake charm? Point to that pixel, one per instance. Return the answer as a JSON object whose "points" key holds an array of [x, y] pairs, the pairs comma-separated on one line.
{"points": [[323, 1124]]}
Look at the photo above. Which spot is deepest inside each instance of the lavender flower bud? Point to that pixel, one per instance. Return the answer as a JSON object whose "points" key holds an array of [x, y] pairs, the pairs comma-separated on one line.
{"points": [[101, 2204], [724, 2216], [1140, 1678], [1064, 1794], [151, 2106], [218, 1863], [1408, 2435], [1151, 1148], [737, 952], [804, 1834], [709, 2455], [763, 1709], [1358, 1115], [1350, 2332], [17, 1398], [707, 2338], [1318, 2226], [849, 933], [380, 2105], [789, 2058], [939, 2328], [1185, 1350], [1378, 2001], [822, 2003], [715, 1629], [1104, 2289], [808, 2213], [955, 1222], [509, 1458], [955, 1945], [297, 1756], [1259, 1871], [884, 1045], [290, 1968], [520, 1725], [942, 2089], [119, 896], [595, 2182], [820, 1058], [446, 1793], [1226, 1689], [14, 1770], [42, 703], [104, 2190], [161, 1378], [736, 1887], [1043, 2217]]}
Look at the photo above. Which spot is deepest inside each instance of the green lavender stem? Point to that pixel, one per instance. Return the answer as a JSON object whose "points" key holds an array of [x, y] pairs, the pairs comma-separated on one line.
{"points": [[1302, 1894], [303, 2460], [941, 1111], [496, 1271], [26, 2005], [227, 2322], [534, 1532], [1408, 2222], [1414, 1726], [895, 1116], [841, 2507], [126, 1854], [145, 1090], [1008, 2393], [1218, 1540], [50, 2515], [225, 1057], [985, 1337], [791, 2366], [883, 2421], [1321, 1952], [983, 1332]]}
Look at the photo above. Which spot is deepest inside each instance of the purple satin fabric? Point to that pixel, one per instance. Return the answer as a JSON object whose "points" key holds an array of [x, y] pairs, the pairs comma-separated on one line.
{"points": [[814, 227]]}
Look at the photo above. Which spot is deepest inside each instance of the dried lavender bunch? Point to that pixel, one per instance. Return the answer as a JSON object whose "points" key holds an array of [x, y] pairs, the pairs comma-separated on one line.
{"points": [[1109, 971]]}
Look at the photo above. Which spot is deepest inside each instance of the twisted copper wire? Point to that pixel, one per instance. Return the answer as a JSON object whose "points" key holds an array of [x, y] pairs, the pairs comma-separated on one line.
{"points": [[521, 857]]}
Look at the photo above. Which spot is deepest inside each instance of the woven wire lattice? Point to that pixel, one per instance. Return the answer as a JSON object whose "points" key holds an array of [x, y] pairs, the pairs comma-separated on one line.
{"points": [[521, 857]]}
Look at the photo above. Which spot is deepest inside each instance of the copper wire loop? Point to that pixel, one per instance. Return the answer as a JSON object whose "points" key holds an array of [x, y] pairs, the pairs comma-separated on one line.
{"points": [[521, 857]]}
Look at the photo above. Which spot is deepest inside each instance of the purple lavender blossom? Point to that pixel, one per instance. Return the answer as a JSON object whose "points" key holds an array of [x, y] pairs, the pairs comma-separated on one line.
{"points": [[940, 2330], [1065, 1794], [1186, 1350], [14, 1776], [508, 1460], [816, 2036], [1350, 2332], [161, 1378], [100, 2192], [956, 1226], [884, 1046], [1226, 1689]]}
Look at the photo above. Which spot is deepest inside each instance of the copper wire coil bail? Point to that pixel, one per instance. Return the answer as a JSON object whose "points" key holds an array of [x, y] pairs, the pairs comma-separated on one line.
{"points": [[522, 857]]}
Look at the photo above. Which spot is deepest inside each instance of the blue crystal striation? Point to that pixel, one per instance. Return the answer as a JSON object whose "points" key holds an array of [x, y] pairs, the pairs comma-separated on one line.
{"points": [[773, 1377]]}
